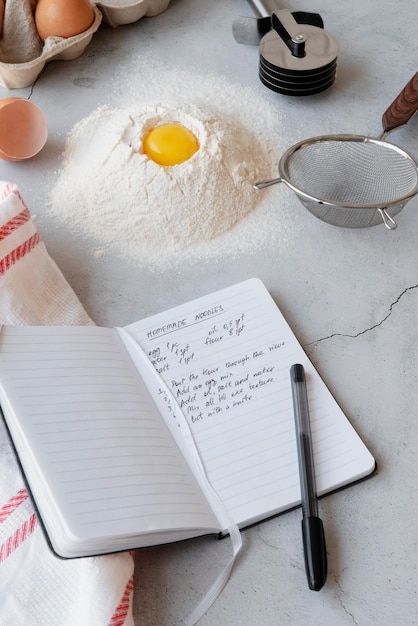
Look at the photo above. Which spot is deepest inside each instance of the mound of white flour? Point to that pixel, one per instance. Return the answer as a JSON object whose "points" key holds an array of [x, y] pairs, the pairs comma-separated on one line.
{"points": [[123, 197], [204, 208]]}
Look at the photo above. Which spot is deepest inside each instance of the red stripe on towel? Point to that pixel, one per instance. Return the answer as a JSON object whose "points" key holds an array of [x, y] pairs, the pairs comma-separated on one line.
{"points": [[8, 189], [10, 506], [18, 253], [119, 616], [15, 540], [15, 223]]}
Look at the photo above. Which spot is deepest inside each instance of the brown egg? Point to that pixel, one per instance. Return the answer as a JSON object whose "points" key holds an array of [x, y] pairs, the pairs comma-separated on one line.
{"points": [[63, 18]]}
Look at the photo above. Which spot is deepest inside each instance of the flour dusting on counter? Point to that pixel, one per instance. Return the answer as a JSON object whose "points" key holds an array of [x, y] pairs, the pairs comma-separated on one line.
{"points": [[206, 206]]}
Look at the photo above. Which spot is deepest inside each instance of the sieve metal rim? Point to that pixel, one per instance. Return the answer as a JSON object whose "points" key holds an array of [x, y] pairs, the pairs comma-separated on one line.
{"points": [[284, 160]]}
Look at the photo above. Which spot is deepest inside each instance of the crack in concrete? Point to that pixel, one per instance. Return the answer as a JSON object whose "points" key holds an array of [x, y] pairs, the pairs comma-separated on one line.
{"points": [[265, 542], [337, 582], [32, 87], [366, 330]]}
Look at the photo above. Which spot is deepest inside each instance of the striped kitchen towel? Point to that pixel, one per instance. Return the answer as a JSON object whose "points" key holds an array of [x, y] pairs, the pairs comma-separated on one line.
{"points": [[36, 587]]}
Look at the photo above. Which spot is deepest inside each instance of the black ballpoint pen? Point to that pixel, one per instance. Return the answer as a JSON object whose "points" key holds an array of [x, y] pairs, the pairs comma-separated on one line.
{"points": [[312, 527]]}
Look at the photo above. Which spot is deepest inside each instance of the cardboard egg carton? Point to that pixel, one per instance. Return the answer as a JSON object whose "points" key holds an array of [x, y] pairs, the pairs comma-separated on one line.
{"points": [[23, 54], [117, 12]]}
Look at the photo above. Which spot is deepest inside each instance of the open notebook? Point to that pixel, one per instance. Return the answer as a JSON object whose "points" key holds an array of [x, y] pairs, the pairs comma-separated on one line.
{"points": [[169, 428]]}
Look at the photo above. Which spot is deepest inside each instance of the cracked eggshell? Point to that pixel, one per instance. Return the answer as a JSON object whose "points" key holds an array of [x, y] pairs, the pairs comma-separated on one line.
{"points": [[23, 129], [17, 75]]}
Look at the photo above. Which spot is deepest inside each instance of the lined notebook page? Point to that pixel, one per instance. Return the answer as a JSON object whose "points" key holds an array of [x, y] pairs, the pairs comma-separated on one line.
{"points": [[226, 360], [111, 463]]}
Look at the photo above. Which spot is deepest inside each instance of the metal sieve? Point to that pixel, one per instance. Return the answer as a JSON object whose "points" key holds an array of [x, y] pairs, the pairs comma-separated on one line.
{"points": [[354, 181]]}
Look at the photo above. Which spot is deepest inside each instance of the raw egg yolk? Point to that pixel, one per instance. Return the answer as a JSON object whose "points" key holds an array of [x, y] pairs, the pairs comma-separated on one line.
{"points": [[170, 144]]}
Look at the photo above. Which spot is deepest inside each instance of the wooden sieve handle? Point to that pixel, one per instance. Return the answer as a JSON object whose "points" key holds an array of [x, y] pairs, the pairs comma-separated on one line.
{"points": [[403, 107]]}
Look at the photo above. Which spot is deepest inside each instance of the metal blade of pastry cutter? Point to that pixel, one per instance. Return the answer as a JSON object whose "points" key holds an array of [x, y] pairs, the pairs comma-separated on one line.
{"points": [[250, 30]]}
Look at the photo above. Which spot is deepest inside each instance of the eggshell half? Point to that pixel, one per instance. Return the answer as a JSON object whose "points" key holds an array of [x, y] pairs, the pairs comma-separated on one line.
{"points": [[23, 129]]}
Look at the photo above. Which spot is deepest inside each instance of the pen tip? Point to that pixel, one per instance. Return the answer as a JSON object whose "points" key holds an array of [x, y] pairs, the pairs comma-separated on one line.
{"points": [[315, 552]]}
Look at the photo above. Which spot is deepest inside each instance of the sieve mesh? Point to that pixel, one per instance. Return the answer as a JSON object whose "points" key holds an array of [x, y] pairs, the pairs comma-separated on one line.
{"points": [[350, 172]]}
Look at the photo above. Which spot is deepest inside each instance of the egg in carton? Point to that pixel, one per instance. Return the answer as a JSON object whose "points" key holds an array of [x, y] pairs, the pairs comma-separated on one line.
{"points": [[23, 57]]}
